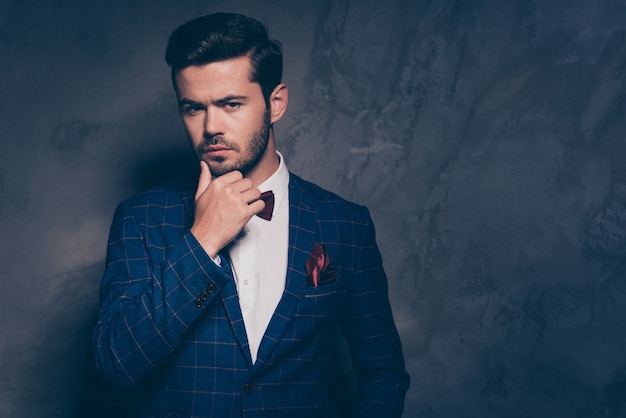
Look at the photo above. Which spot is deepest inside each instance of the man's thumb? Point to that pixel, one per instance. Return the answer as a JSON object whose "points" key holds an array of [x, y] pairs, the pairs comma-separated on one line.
{"points": [[205, 179]]}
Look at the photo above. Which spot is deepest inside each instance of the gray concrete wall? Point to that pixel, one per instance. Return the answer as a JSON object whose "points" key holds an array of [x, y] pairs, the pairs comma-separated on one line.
{"points": [[487, 138]]}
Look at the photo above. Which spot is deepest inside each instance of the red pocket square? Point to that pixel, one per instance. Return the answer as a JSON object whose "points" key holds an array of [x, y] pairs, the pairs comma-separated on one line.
{"points": [[318, 269]]}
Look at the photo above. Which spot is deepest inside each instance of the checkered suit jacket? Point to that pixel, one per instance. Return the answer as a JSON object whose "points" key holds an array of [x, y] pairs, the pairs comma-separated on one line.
{"points": [[170, 320]]}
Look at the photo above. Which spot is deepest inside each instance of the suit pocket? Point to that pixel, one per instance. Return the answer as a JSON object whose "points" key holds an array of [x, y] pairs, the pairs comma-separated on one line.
{"points": [[321, 302], [322, 290], [315, 320]]}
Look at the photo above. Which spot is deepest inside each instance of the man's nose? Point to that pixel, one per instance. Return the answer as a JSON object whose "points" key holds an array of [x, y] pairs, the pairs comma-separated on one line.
{"points": [[212, 123]]}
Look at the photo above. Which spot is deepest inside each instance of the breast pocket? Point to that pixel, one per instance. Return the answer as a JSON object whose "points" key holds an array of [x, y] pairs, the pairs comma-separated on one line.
{"points": [[322, 290], [316, 320], [321, 302]]}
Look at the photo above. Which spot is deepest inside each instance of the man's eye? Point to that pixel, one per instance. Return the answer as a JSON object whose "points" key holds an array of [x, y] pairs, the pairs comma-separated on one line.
{"points": [[192, 109], [232, 105]]}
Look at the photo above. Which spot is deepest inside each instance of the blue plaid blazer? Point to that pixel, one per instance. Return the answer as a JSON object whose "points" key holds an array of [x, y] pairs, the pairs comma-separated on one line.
{"points": [[170, 320]]}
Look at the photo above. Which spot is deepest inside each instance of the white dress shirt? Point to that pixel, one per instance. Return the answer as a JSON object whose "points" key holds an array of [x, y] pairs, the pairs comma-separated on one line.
{"points": [[259, 259]]}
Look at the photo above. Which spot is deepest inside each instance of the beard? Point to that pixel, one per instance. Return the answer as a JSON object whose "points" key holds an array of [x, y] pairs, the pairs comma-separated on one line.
{"points": [[254, 150]]}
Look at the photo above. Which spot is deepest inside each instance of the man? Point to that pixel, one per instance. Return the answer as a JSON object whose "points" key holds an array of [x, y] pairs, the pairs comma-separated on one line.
{"points": [[217, 312]]}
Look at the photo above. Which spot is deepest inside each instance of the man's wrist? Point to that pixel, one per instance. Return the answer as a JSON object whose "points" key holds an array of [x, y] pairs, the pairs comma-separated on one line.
{"points": [[208, 247]]}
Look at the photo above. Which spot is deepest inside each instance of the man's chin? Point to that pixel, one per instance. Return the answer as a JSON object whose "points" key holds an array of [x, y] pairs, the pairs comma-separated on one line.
{"points": [[219, 168]]}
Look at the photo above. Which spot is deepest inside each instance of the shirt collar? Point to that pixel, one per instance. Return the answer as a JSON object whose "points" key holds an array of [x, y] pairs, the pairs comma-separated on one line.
{"points": [[277, 182]]}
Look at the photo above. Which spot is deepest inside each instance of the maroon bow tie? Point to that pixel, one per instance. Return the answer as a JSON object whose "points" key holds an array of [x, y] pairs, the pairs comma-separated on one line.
{"points": [[268, 198]]}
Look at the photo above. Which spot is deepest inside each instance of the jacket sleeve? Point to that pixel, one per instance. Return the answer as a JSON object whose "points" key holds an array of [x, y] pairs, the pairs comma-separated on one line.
{"points": [[147, 302], [373, 340]]}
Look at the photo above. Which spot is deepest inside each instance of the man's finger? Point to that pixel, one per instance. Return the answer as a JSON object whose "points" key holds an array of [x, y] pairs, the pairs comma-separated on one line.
{"points": [[205, 179], [251, 195]]}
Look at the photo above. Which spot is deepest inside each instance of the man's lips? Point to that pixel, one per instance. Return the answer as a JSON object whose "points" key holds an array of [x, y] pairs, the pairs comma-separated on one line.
{"points": [[215, 149]]}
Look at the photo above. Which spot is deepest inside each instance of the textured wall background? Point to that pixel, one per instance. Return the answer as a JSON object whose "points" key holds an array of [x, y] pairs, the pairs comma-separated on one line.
{"points": [[486, 136]]}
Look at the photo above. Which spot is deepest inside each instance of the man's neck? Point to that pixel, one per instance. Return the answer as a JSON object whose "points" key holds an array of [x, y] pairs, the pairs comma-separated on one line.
{"points": [[266, 167]]}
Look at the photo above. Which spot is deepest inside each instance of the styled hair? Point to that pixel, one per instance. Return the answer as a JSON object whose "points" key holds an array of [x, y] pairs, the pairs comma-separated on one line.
{"points": [[222, 36]]}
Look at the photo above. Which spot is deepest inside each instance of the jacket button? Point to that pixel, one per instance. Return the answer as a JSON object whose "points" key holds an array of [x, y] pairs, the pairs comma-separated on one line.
{"points": [[248, 388], [198, 303], [204, 296], [211, 288]]}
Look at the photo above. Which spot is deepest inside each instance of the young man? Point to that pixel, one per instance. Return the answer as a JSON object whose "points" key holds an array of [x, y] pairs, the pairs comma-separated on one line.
{"points": [[218, 312]]}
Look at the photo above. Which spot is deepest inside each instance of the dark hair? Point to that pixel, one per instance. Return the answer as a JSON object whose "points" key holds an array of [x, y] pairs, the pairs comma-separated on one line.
{"points": [[223, 36]]}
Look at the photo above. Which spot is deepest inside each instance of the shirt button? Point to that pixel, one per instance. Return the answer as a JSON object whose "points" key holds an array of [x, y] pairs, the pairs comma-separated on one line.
{"points": [[245, 282], [248, 388]]}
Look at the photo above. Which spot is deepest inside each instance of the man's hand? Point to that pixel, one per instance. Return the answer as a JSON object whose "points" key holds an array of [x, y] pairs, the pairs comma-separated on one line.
{"points": [[223, 206]]}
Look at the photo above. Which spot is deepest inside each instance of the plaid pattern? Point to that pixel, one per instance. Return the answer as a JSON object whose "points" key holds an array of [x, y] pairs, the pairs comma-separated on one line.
{"points": [[170, 320]]}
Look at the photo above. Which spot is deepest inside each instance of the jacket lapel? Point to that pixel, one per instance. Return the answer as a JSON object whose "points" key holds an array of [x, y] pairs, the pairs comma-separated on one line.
{"points": [[302, 227], [230, 299]]}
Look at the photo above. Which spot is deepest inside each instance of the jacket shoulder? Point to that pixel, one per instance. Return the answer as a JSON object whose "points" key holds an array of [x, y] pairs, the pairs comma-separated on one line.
{"points": [[326, 203], [173, 192]]}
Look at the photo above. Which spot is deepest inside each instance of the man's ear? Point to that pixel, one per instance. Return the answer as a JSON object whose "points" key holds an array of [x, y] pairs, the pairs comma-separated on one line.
{"points": [[278, 102]]}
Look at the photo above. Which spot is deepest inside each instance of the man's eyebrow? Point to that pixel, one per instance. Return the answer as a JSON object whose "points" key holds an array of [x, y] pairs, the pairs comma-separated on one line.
{"points": [[218, 102], [230, 98], [184, 101]]}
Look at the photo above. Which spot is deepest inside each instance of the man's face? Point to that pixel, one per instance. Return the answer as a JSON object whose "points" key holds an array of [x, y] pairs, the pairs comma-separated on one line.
{"points": [[225, 116]]}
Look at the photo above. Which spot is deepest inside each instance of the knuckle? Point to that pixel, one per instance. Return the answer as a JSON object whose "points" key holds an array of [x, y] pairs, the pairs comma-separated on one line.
{"points": [[247, 183]]}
